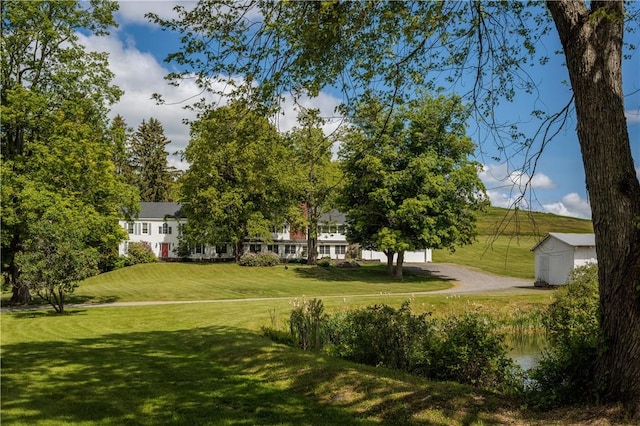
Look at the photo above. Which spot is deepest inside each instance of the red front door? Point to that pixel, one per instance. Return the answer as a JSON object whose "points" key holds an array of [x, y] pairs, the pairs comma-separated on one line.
{"points": [[164, 250]]}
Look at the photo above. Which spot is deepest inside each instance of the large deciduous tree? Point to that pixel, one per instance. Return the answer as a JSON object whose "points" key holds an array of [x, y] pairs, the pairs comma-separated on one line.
{"points": [[409, 182], [240, 182], [394, 46], [54, 97]]}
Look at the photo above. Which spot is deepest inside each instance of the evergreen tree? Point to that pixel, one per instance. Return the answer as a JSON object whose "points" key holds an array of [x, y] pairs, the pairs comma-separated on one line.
{"points": [[152, 174]]}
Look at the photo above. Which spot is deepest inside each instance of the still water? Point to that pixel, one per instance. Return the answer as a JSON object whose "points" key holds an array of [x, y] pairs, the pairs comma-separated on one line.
{"points": [[526, 349]]}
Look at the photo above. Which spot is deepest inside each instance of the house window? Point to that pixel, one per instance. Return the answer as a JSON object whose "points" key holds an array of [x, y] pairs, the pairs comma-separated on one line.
{"points": [[273, 248], [255, 248], [341, 229], [180, 228], [164, 229], [341, 249], [199, 249], [130, 227], [324, 250], [221, 249], [145, 228], [289, 249]]}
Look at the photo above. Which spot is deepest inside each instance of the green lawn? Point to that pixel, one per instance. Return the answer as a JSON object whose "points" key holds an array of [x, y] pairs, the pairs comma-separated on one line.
{"points": [[506, 238], [207, 362], [208, 281]]}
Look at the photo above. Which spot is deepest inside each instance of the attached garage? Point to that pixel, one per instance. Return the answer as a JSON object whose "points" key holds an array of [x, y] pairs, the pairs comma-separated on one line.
{"points": [[558, 254]]}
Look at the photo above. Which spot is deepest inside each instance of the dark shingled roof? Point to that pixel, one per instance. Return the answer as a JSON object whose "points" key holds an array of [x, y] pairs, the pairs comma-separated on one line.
{"points": [[159, 210], [334, 216]]}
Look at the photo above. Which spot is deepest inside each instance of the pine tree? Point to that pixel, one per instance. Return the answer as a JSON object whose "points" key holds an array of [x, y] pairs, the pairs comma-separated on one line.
{"points": [[152, 174]]}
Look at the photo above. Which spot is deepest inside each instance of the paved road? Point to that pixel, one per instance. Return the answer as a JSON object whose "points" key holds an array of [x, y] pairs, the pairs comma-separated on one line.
{"points": [[466, 280]]}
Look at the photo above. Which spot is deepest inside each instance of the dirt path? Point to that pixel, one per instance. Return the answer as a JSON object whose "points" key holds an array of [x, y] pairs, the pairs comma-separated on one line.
{"points": [[467, 280]]}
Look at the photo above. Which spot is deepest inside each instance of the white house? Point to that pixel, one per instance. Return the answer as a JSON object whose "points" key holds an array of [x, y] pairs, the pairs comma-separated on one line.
{"points": [[160, 224], [557, 254]]}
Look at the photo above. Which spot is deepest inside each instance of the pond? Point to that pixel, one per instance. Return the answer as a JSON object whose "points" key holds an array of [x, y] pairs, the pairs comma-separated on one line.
{"points": [[526, 349]]}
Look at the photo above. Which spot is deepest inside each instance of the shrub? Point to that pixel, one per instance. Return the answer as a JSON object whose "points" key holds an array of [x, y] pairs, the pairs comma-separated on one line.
{"points": [[140, 252], [325, 262], [566, 372], [381, 336], [259, 259], [470, 349]]}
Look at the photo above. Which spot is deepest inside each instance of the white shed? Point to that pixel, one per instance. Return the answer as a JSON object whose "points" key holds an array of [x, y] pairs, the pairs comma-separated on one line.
{"points": [[557, 254]]}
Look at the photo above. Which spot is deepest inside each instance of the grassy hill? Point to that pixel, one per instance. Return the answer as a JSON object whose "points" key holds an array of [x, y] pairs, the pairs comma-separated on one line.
{"points": [[505, 239]]}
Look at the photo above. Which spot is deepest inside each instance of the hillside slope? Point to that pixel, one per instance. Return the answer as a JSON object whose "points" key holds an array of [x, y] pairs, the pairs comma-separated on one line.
{"points": [[505, 239]]}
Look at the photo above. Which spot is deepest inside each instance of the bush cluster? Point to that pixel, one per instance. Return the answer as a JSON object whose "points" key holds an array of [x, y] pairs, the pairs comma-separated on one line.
{"points": [[466, 349], [566, 372], [259, 259], [325, 262], [137, 253]]}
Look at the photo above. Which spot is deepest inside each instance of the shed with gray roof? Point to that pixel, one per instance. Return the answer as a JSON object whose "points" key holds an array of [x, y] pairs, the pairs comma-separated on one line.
{"points": [[557, 254]]}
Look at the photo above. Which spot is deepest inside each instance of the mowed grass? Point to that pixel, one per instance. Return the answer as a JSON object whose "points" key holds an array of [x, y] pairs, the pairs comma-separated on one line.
{"points": [[209, 281], [207, 363], [505, 239]]}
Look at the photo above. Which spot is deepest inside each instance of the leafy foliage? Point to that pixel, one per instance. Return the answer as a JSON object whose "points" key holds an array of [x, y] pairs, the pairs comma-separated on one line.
{"points": [[566, 372], [56, 256], [318, 175], [408, 181], [54, 139], [466, 348], [306, 325], [148, 158], [140, 252], [236, 185], [259, 259]]}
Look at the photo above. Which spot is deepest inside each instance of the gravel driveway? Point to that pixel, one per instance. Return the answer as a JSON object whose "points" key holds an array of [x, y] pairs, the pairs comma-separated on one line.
{"points": [[469, 280]]}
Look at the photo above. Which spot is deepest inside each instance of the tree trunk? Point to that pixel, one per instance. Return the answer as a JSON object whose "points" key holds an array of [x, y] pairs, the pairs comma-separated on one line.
{"points": [[399, 263], [592, 44], [389, 254], [20, 294]]}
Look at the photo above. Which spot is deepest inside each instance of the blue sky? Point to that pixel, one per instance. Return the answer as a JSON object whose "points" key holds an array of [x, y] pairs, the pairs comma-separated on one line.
{"points": [[137, 50]]}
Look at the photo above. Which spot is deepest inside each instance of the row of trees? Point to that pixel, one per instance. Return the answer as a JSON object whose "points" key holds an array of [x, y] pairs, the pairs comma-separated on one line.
{"points": [[403, 177]]}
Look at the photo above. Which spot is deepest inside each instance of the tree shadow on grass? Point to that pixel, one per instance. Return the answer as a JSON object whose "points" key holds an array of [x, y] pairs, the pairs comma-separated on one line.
{"points": [[222, 375], [214, 375], [375, 274]]}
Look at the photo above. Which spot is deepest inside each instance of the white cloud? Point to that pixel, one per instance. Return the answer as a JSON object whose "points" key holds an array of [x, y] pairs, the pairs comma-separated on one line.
{"points": [[140, 75], [497, 176], [572, 204], [133, 11], [633, 116]]}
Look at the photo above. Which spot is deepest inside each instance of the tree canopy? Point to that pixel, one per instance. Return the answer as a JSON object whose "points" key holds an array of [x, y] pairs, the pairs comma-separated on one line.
{"points": [[54, 137], [148, 158], [240, 181], [318, 175], [409, 181]]}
